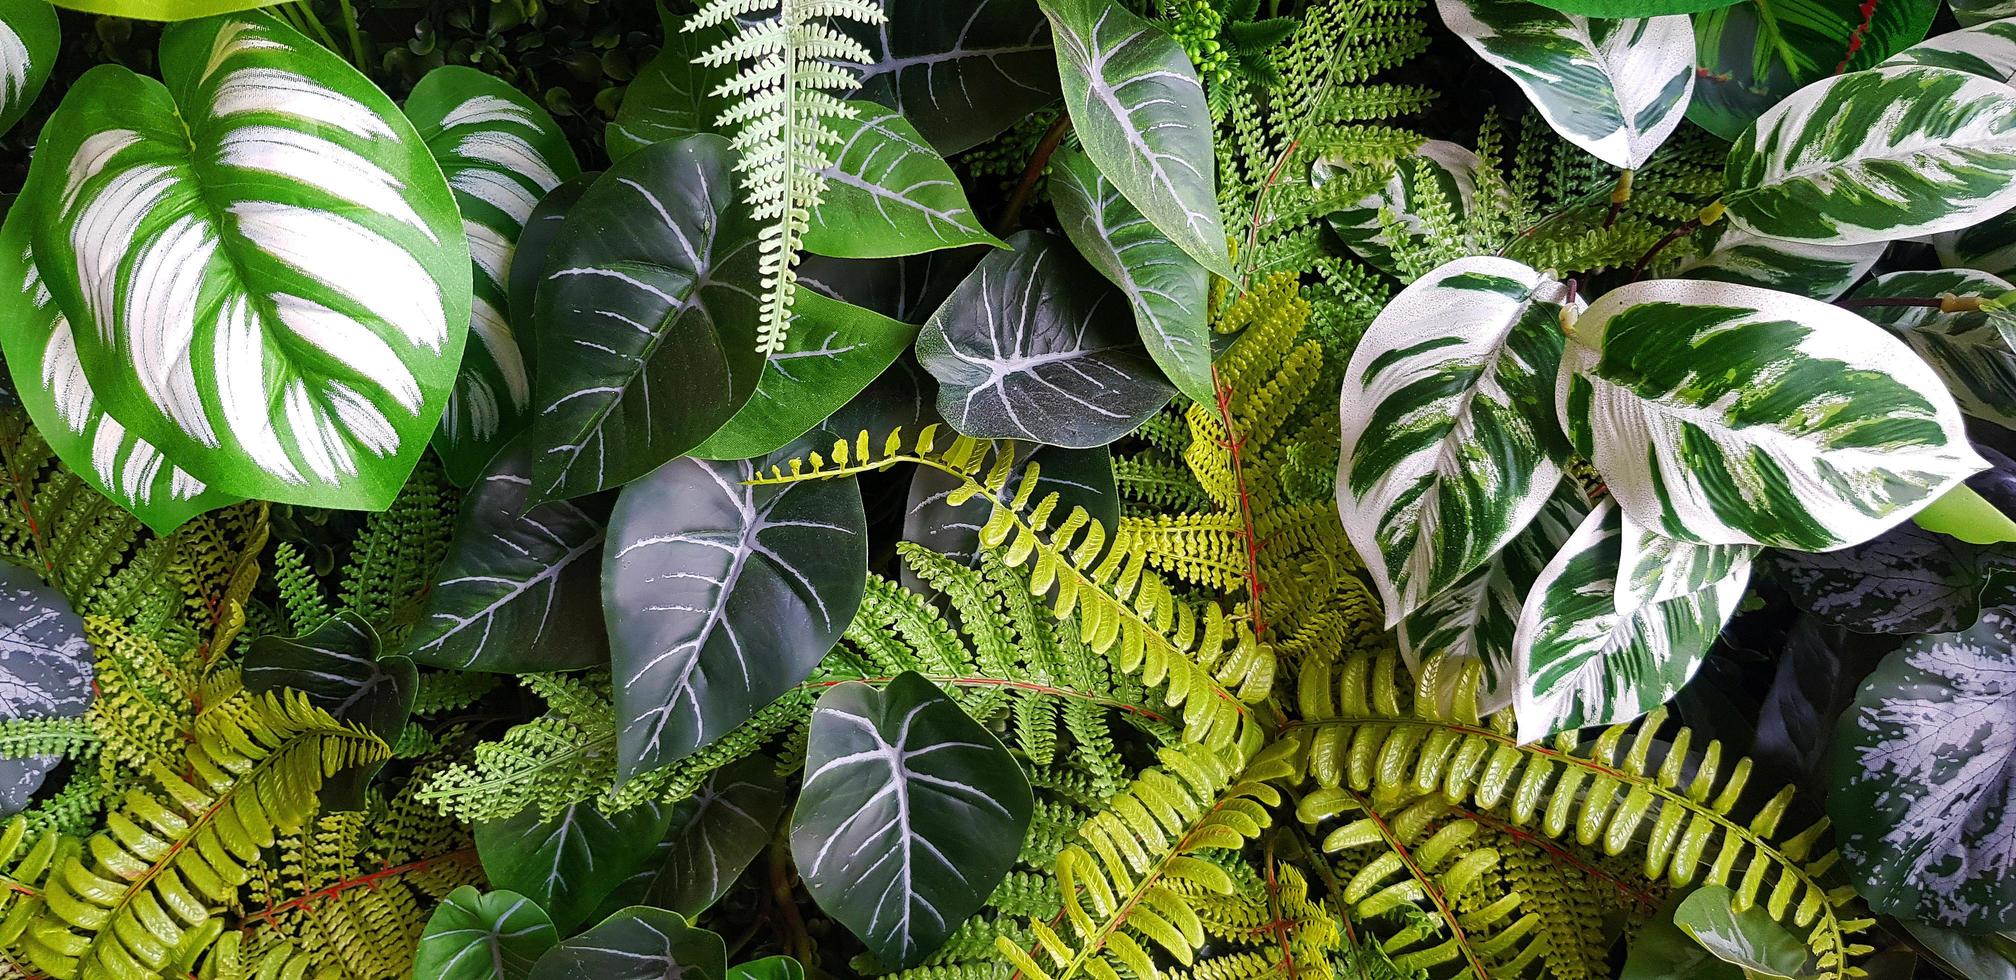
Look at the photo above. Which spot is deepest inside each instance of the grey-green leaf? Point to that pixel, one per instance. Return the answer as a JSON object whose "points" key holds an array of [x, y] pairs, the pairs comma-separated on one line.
{"points": [[474, 935], [1750, 939], [45, 671], [888, 193], [637, 943], [713, 836], [960, 70]]}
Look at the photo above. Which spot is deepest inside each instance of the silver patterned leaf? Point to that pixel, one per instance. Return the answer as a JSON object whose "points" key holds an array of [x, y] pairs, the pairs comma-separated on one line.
{"points": [[45, 671], [1725, 253], [960, 70]]}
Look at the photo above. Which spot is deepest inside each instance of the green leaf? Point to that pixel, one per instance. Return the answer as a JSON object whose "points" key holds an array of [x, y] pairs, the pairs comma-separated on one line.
{"points": [[1987, 50], [888, 193], [1450, 168], [674, 95], [1986, 957], [340, 666], [1445, 451], [1988, 247], [1973, 12], [1139, 113], [1035, 346], [1726, 253], [768, 968], [720, 597], [1750, 939], [519, 589], [483, 936], [1974, 353], [533, 258], [1168, 291], [1753, 54], [1681, 390], [501, 153], [1661, 950], [647, 319], [1923, 779], [908, 289], [47, 672], [568, 862], [1623, 9], [713, 835], [267, 281], [1876, 155], [637, 944], [1964, 514], [29, 38], [168, 10], [834, 350], [1616, 88], [960, 70], [1580, 661], [911, 813], [1653, 568]]}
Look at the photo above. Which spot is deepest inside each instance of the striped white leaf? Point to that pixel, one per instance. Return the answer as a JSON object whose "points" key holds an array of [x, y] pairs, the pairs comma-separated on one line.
{"points": [[1975, 12], [1987, 50], [1726, 253], [1754, 53], [1167, 289], [569, 861], [888, 193], [720, 597], [1876, 155], [911, 813], [961, 70], [637, 943], [476, 935], [1447, 447], [1653, 568], [1726, 414], [1445, 170], [1139, 113], [29, 37], [1988, 247], [1616, 88], [1974, 352], [46, 668], [1578, 661], [501, 153], [263, 269]]}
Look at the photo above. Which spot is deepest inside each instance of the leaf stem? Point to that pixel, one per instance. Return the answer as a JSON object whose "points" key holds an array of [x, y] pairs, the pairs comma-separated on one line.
{"points": [[1945, 304], [1683, 229], [1011, 218]]}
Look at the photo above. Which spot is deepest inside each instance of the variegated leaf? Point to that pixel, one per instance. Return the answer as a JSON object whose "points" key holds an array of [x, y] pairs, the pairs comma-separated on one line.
{"points": [[1754, 53], [1727, 414], [1653, 568], [1987, 50], [1616, 88], [1988, 247], [342, 668], [45, 672], [1876, 155], [1446, 170], [888, 193], [29, 37], [1446, 446], [961, 70], [1971, 13], [1725, 253], [1974, 352], [264, 270], [1578, 661]]}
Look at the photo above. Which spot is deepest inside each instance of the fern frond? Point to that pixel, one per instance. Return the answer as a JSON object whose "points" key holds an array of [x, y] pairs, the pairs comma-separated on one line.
{"points": [[27, 738]]}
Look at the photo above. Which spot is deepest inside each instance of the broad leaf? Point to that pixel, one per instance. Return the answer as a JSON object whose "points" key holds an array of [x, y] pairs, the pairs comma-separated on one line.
{"points": [[571, 861], [911, 813], [960, 70], [1616, 88], [713, 836], [533, 258], [501, 153], [476, 935], [29, 37], [1168, 291], [1660, 950], [908, 289], [1578, 661], [1139, 113], [1987, 50], [1988, 247], [1446, 447], [1079, 478], [674, 95], [888, 193], [519, 590], [1753, 54], [1986, 957], [339, 665], [720, 597], [1036, 346], [264, 270], [1818, 671], [1653, 568], [637, 944], [1750, 939], [1681, 390], [1961, 513], [768, 968], [1438, 169], [646, 321], [1725, 253], [1876, 155], [1621, 9], [1974, 353], [1924, 779], [1974, 12], [45, 671], [168, 10]]}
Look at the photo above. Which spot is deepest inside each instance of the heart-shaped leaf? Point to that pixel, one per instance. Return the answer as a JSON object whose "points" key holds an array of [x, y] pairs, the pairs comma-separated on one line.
{"points": [[911, 813], [1751, 55], [675, 95], [960, 70], [45, 671], [533, 258], [768, 968], [888, 193], [568, 862], [29, 37], [714, 834], [1726, 253], [1991, 956], [476, 935], [1975, 353], [908, 289], [637, 944], [339, 666], [720, 597]]}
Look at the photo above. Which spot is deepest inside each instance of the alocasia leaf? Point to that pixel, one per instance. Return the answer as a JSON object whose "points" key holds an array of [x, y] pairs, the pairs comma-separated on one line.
{"points": [[341, 667], [646, 319], [1168, 290], [1034, 345], [1680, 389], [1923, 775], [1752, 54], [888, 193], [1726, 253], [1450, 169], [637, 943], [501, 153], [1616, 88], [45, 671], [768, 968], [533, 258], [29, 37], [1875, 156], [476, 935], [568, 862], [674, 95], [1446, 448], [264, 271], [1975, 353], [713, 836], [1139, 112], [960, 70], [1984, 957], [911, 813], [908, 289], [720, 597]]}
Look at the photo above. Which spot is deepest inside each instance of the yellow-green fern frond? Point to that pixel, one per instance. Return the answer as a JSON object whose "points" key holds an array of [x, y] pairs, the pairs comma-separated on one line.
{"points": [[25, 859]]}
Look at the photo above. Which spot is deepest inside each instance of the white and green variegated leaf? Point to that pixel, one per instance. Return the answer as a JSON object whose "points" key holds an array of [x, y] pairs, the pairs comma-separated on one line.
{"points": [[1725, 414], [1754, 942], [1987, 50], [1139, 113], [1653, 568], [1450, 169], [264, 271], [29, 37], [1974, 352], [1987, 247], [1726, 253], [1971, 13], [1922, 778], [1753, 53], [1167, 289], [1447, 450], [1616, 88], [888, 193], [501, 153], [1578, 661], [1876, 155]]}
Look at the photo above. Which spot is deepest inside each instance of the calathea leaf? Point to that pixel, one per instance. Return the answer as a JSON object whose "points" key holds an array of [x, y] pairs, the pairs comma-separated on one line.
{"points": [[1445, 170], [476, 935], [1446, 451], [501, 153], [713, 836], [264, 270], [888, 193], [1876, 155], [1678, 389], [1754, 53], [911, 813], [519, 588], [960, 70], [1988, 247], [1973, 12], [646, 321], [720, 597], [568, 862], [1616, 88], [1726, 253], [1923, 774], [1139, 112], [1079, 478], [675, 95], [1035, 346], [533, 258], [340, 666], [45, 671], [637, 944], [1621, 9], [1975, 353], [1579, 661], [1653, 568], [29, 37], [1987, 50], [1168, 290]]}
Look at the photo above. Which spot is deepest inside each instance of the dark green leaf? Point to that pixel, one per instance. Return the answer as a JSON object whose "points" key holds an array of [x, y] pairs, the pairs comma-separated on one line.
{"points": [[339, 667], [960, 70], [45, 671], [533, 257], [1626, 9], [768, 968], [1754, 53], [570, 862], [483, 936], [908, 289], [714, 834], [673, 97], [888, 193], [637, 944]]}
